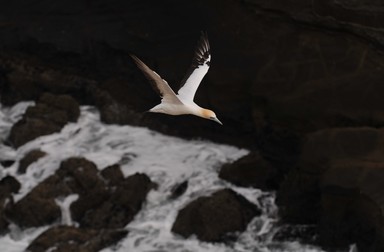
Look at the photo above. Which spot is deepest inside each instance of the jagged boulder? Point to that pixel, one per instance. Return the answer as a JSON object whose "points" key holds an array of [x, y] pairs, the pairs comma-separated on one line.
{"points": [[48, 116], [115, 208], [38, 207], [251, 171], [216, 217]]}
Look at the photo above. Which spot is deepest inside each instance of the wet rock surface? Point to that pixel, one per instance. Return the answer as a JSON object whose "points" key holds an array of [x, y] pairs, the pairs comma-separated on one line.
{"points": [[30, 158], [215, 218], [48, 116], [179, 189]]}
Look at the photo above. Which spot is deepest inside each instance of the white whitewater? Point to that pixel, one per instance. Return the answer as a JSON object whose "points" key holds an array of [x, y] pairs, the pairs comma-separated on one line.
{"points": [[166, 160]]}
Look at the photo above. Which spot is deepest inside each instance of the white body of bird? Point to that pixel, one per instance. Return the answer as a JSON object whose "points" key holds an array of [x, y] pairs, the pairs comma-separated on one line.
{"points": [[182, 103]]}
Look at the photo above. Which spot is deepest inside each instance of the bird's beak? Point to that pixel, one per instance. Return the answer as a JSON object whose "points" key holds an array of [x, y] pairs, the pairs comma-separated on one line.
{"points": [[218, 121]]}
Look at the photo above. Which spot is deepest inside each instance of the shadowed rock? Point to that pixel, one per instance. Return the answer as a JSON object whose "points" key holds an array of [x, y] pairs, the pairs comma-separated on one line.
{"points": [[338, 185], [113, 174], [66, 238], [352, 201], [216, 217], [251, 171], [38, 207]]}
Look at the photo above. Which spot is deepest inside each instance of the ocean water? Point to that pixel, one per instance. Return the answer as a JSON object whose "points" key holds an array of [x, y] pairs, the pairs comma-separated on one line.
{"points": [[166, 160]]}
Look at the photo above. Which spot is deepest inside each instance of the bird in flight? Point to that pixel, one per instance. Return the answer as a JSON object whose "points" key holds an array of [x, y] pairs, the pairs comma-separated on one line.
{"points": [[182, 103]]}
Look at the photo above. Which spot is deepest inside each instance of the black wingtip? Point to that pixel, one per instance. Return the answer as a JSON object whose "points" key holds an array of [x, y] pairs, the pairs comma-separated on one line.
{"points": [[204, 40], [202, 53], [202, 50]]}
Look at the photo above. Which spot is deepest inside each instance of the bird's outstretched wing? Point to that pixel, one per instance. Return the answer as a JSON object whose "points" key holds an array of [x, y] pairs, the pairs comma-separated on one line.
{"points": [[197, 71], [159, 84]]}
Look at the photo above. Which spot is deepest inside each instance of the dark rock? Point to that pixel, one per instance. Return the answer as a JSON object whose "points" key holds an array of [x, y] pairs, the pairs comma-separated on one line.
{"points": [[352, 203], [44, 112], [26, 130], [320, 149], [215, 217], [66, 238], [62, 103], [28, 77], [338, 186], [111, 110], [179, 189], [7, 163], [8, 185], [298, 198], [5, 201], [80, 175], [342, 143], [119, 208], [113, 174], [109, 202], [30, 158], [360, 19], [280, 146], [251, 171], [48, 116], [38, 207]]}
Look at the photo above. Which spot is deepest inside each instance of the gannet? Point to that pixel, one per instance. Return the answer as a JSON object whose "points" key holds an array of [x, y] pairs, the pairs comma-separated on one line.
{"points": [[182, 103]]}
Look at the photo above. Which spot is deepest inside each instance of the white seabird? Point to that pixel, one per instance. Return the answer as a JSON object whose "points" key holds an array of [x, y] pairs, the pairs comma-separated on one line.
{"points": [[182, 103]]}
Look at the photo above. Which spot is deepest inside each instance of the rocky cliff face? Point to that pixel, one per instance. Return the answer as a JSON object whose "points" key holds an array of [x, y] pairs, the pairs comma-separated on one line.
{"points": [[298, 82]]}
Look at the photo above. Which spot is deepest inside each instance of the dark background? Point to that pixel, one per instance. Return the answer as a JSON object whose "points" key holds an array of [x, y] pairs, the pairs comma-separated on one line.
{"points": [[299, 65]]}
